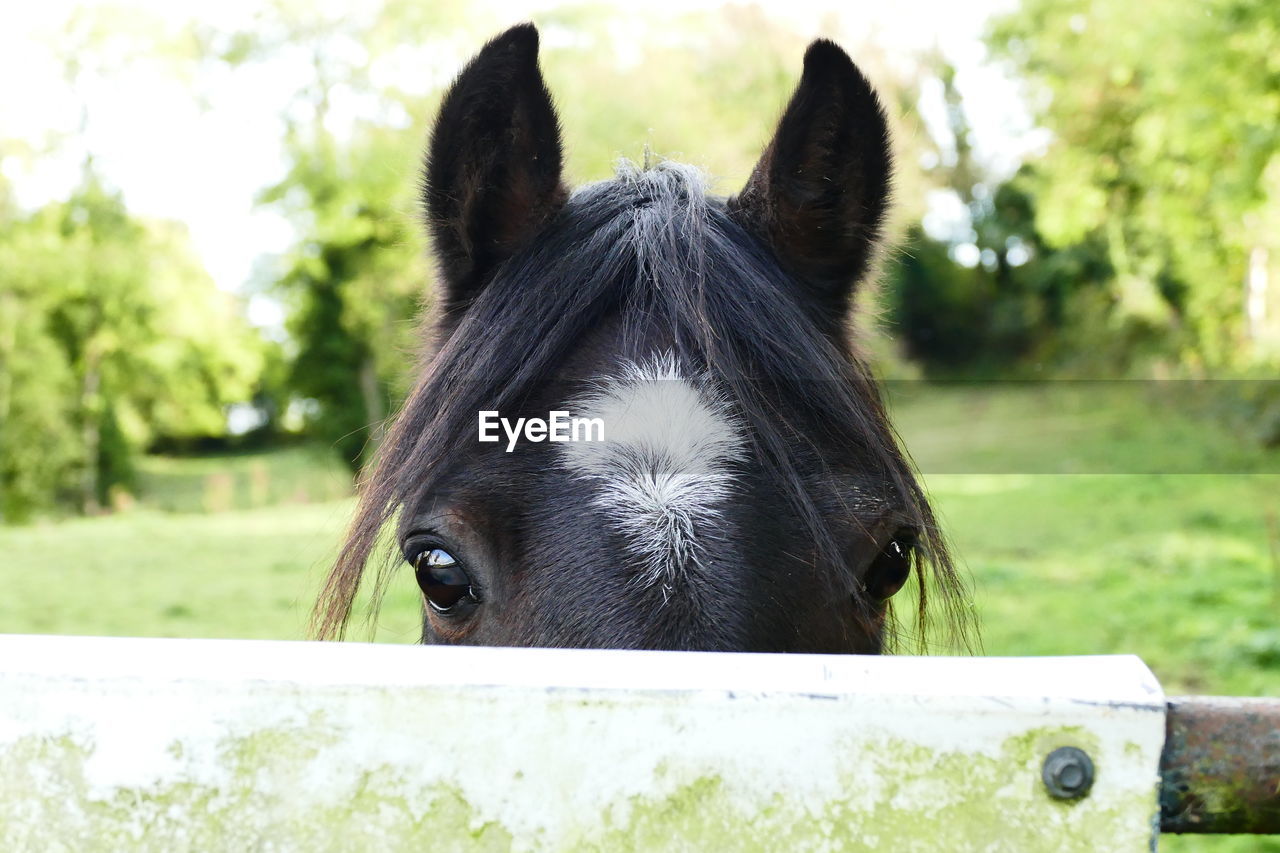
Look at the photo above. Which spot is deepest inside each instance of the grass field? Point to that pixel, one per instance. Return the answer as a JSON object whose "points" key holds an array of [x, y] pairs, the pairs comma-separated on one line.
{"points": [[1078, 542], [1058, 503]]}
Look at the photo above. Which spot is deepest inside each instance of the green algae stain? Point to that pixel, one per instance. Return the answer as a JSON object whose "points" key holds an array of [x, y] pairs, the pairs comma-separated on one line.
{"points": [[28, 767], [266, 801], [897, 795], [920, 800], [990, 803]]}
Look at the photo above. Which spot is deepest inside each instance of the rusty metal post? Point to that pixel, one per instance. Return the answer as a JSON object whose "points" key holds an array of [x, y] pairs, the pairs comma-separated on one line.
{"points": [[1220, 769]]}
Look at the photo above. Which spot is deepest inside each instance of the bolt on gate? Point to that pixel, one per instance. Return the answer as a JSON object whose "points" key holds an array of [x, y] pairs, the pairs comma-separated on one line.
{"points": [[131, 744]]}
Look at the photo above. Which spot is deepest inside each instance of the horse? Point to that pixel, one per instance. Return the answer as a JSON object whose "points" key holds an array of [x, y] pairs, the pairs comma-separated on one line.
{"points": [[747, 491]]}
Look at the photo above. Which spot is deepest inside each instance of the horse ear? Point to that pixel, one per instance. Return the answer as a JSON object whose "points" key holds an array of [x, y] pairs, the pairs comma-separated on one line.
{"points": [[819, 193], [492, 177]]}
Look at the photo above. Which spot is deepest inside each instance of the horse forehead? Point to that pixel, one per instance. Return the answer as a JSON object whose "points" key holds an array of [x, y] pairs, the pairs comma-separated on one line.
{"points": [[667, 464]]}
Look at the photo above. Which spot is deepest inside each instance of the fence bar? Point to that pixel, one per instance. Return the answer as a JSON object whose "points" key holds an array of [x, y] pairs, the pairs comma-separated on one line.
{"points": [[1220, 768], [162, 745]]}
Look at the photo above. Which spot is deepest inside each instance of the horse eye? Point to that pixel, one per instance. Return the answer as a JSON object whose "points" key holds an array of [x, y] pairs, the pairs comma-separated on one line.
{"points": [[441, 579], [888, 572]]}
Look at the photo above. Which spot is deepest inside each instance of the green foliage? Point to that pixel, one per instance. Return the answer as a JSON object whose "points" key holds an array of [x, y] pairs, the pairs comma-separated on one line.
{"points": [[111, 335], [704, 87], [353, 283], [1025, 304], [1138, 229], [39, 445], [1167, 150]]}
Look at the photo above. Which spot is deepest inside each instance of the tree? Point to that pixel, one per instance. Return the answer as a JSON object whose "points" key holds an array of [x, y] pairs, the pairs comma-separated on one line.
{"points": [[112, 334], [1166, 150], [353, 284], [1021, 303], [38, 441], [994, 296]]}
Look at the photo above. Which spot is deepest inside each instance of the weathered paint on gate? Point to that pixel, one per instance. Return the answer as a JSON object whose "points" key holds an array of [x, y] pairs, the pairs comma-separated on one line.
{"points": [[113, 744]]}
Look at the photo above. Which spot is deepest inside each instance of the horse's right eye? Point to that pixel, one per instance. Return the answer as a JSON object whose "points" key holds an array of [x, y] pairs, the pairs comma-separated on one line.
{"points": [[442, 580], [890, 569]]}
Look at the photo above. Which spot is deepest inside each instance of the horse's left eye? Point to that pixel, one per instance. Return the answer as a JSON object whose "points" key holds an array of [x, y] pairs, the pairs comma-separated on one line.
{"points": [[888, 572], [442, 580]]}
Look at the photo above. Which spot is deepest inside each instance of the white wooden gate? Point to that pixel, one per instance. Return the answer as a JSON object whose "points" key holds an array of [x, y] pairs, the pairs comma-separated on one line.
{"points": [[166, 745]]}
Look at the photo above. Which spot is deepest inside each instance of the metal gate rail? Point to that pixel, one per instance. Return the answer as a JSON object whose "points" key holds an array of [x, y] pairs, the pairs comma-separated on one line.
{"points": [[1220, 768]]}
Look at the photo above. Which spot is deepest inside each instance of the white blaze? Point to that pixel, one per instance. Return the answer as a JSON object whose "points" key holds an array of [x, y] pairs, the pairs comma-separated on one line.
{"points": [[667, 463]]}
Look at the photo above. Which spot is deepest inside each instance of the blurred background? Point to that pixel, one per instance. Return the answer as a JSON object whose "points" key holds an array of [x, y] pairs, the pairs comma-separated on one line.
{"points": [[211, 273]]}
